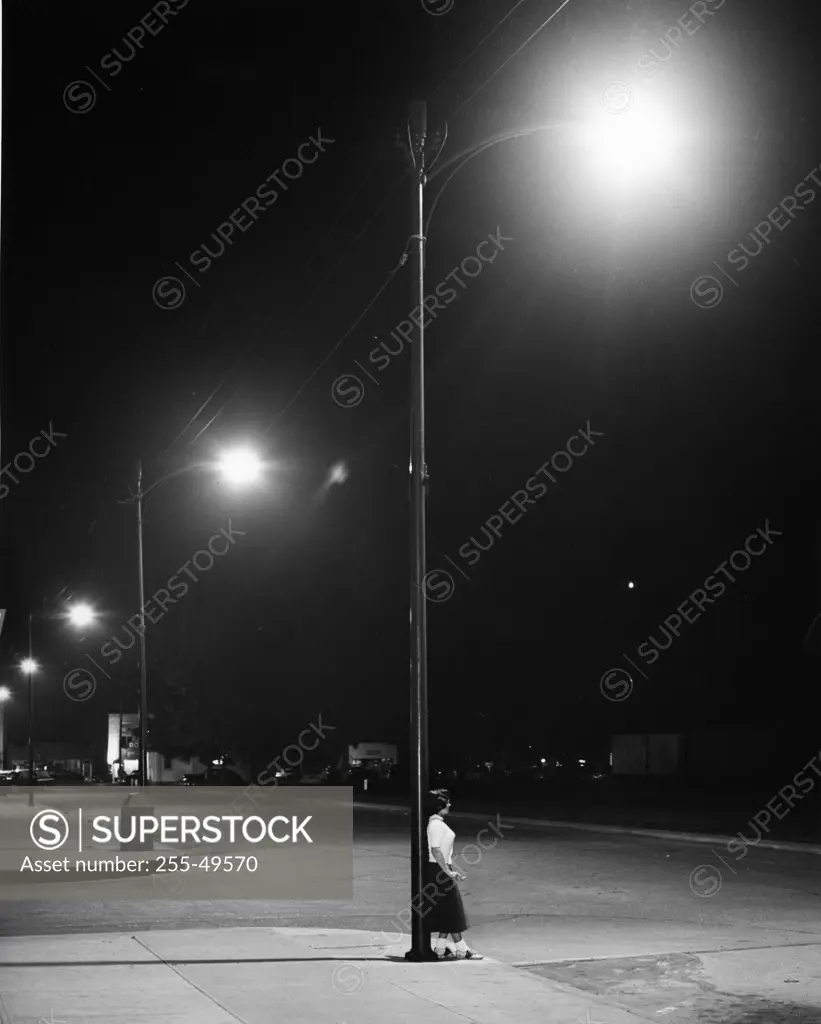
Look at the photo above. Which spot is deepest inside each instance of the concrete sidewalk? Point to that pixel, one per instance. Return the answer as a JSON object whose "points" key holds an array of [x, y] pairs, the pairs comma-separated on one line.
{"points": [[259, 975]]}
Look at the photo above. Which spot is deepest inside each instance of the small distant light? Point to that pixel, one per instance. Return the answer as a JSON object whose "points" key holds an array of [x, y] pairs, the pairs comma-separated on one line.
{"points": [[631, 585], [338, 474], [544, 760], [582, 761]]}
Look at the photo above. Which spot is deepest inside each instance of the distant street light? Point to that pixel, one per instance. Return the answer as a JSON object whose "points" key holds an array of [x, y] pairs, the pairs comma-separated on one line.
{"points": [[29, 666], [338, 474], [81, 615], [5, 695], [239, 467]]}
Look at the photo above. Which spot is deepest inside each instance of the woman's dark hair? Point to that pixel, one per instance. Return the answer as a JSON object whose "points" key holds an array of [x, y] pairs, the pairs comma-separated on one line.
{"points": [[437, 800]]}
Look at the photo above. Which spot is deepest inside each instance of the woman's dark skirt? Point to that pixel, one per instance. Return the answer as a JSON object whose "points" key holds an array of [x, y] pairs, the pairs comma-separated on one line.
{"points": [[444, 902]]}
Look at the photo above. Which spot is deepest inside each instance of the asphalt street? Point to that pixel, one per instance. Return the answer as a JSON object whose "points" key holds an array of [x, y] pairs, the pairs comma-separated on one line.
{"points": [[634, 918]]}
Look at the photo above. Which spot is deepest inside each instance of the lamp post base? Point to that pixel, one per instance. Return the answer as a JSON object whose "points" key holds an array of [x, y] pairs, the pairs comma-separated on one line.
{"points": [[428, 956]]}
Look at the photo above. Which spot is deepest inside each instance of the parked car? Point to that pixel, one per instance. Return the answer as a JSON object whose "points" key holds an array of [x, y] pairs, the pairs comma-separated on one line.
{"points": [[22, 777], [63, 778]]}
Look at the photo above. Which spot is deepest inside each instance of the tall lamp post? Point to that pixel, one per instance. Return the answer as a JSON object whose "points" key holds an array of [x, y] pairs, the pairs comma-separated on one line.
{"points": [[611, 142], [29, 666], [240, 466], [5, 696], [417, 138]]}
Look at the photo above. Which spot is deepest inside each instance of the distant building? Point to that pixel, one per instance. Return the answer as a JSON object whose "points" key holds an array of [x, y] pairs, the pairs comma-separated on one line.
{"points": [[719, 754], [380, 757], [124, 748], [69, 756]]}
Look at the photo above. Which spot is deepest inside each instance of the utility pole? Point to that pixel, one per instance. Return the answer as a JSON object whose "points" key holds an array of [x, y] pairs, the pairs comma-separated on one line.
{"points": [[420, 936], [143, 667], [32, 777]]}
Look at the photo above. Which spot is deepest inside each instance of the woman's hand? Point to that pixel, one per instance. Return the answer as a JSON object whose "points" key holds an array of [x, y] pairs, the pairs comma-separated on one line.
{"points": [[458, 875]]}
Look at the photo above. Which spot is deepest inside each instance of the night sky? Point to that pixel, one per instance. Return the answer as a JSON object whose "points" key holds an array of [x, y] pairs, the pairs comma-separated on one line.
{"points": [[707, 417]]}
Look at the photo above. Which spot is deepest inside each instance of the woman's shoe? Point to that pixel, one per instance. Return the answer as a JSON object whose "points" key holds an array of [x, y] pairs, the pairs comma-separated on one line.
{"points": [[446, 954], [470, 954]]}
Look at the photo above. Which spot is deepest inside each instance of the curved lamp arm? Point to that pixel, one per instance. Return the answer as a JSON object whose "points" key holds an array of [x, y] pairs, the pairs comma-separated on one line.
{"points": [[140, 493], [467, 155], [174, 473]]}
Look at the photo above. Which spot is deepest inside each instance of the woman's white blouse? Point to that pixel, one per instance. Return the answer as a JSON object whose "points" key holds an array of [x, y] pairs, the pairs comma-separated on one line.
{"points": [[441, 835]]}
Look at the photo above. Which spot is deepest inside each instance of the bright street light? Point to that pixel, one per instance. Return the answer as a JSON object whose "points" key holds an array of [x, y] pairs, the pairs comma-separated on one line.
{"points": [[81, 615], [631, 146], [29, 665], [241, 466], [5, 694]]}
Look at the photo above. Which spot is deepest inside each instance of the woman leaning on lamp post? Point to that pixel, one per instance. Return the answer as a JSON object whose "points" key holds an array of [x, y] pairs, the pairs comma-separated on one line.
{"points": [[447, 915]]}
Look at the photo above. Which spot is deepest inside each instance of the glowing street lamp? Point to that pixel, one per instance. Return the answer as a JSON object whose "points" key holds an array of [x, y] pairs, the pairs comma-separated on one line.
{"points": [[29, 666], [5, 695], [81, 615], [241, 466], [626, 144], [632, 146]]}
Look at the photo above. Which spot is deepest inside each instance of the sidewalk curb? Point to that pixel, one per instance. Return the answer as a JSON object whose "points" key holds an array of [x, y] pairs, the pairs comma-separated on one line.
{"points": [[690, 837]]}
